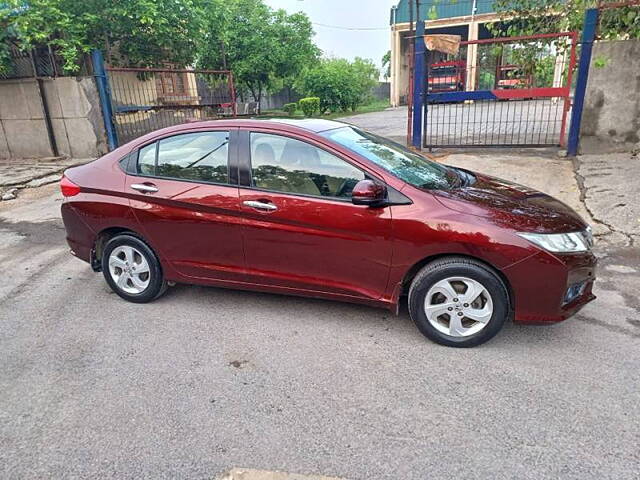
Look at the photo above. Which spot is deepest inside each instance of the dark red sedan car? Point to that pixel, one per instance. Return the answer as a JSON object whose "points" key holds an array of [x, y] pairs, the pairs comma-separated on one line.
{"points": [[323, 209]]}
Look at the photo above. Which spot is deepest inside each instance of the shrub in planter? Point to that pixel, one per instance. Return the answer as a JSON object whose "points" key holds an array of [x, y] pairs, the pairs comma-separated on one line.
{"points": [[309, 105], [290, 108]]}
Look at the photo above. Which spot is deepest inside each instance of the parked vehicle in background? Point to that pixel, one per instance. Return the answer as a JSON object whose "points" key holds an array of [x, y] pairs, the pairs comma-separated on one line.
{"points": [[447, 76], [512, 76], [322, 209]]}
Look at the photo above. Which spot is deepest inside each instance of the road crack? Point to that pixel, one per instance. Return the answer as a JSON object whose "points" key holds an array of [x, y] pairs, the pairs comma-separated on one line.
{"points": [[580, 180]]}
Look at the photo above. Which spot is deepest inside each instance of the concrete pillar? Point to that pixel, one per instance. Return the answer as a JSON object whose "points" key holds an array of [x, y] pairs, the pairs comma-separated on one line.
{"points": [[392, 67], [396, 62], [472, 57]]}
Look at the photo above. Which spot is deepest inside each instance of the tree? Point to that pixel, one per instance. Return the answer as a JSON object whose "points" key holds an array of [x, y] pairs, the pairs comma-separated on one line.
{"points": [[530, 17], [264, 48], [129, 32], [339, 83], [386, 64]]}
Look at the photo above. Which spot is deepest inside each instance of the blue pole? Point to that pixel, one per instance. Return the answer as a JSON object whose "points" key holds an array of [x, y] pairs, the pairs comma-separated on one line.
{"points": [[104, 92], [588, 36], [418, 85]]}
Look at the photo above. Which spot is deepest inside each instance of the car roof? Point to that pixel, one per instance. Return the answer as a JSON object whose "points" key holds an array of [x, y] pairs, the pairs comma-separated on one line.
{"points": [[315, 125], [311, 124]]}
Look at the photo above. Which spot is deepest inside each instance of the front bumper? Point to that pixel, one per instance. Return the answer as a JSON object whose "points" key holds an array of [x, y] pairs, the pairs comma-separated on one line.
{"points": [[549, 288]]}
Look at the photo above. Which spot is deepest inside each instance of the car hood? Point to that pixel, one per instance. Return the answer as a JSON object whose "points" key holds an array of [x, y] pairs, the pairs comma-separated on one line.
{"points": [[513, 206]]}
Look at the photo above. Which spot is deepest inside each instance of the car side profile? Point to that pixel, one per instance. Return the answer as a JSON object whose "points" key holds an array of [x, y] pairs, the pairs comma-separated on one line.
{"points": [[323, 209]]}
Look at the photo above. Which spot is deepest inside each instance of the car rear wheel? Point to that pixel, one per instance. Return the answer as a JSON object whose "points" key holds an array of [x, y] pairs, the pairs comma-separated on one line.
{"points": [[458, 302], [132, 269]]}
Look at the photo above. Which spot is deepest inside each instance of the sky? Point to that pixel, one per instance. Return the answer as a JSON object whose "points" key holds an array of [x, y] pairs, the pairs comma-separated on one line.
{"points": [[338, 42]]}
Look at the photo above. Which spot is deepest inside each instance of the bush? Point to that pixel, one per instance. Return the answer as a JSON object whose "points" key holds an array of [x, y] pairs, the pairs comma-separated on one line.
{"points": [[290, 108], [309, 105], [339, 83]]}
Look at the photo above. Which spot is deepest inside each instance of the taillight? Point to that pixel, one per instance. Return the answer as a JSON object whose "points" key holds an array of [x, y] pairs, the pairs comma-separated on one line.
{"points": [[68, 188]]}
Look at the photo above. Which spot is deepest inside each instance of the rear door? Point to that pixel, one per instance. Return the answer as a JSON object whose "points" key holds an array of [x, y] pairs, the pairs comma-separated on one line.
{"points": [[301, 230], [184, 193]]}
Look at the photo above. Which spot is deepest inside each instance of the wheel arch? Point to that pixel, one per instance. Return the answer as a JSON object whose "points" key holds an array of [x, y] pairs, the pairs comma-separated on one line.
{"points": [[414, 269], [103, 237]]}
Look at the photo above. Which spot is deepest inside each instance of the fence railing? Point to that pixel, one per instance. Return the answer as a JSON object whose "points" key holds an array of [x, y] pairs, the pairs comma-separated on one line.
{"points": [[146, 99], [512, 91], [40, 62]]}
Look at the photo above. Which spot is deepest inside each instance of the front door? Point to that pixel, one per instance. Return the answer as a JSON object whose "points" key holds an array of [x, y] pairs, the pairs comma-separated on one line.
{"points": [[187, 204], [300, 228]]}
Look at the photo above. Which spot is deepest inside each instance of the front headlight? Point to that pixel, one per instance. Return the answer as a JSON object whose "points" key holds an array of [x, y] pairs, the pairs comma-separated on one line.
{"points": [[561, 242]]}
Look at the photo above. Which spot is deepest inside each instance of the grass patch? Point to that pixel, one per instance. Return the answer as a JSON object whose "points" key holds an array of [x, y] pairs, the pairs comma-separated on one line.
{"points": [[375, 106]]}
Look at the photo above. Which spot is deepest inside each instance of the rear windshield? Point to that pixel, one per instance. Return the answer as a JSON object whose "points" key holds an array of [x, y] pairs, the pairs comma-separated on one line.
{"points": [[396, 159]]}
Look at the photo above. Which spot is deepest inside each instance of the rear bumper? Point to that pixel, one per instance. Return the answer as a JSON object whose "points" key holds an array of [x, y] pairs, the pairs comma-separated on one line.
{"points": [[550, 288], [80, 237]]}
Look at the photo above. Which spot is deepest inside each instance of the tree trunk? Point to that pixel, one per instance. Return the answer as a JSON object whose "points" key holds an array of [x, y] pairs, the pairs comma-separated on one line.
{"points": [[259, 98], [224, 55], [107, 49], [254, 93]]}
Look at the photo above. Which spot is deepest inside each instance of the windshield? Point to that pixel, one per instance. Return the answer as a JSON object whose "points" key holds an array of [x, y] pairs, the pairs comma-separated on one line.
{"points": [[396, 159]]}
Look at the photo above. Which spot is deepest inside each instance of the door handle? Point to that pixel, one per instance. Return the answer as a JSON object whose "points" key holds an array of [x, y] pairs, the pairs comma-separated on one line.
{"points": [[267, 207], [144, 187]]}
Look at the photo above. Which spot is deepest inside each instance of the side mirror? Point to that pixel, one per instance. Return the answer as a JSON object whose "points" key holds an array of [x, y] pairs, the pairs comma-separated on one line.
{"points": [[367, 192]]}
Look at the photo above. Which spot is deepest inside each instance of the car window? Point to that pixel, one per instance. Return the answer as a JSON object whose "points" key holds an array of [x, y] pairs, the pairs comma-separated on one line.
{"points": [[200, 156], [147, 160], [287, 165], [395, 158]]}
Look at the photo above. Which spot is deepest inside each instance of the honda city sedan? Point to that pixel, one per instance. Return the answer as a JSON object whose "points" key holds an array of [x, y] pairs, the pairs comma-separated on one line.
{"points": [[323, 209]]}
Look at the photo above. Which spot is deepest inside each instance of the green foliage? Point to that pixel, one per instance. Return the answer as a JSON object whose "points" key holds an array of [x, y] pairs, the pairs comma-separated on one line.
{"points": [[339, 83], [5, 58], [265, 48], [290, 108], [309, 106], [600, 62], [133, 32], [487, 80], [543, 70], [386, 64], [262, 46], [530, 17]]}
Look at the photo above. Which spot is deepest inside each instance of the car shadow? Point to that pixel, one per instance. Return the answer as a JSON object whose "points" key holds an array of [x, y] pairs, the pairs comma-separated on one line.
{"points": [[297, 308]]}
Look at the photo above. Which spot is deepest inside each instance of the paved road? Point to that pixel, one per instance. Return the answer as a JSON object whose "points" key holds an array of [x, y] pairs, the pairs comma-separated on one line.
{"points": [[519, 122], [207, 379]]}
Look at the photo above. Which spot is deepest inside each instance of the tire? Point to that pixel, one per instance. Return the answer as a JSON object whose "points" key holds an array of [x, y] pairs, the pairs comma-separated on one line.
{"points": [[132, 269], [453, 321]]}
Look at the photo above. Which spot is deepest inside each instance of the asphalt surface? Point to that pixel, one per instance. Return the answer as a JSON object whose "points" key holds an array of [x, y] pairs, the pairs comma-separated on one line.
{"points": [[207, 379], [515, 122]]}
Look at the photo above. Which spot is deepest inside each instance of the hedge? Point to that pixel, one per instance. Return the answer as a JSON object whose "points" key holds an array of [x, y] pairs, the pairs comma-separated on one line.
{"points": [[309, 105]]}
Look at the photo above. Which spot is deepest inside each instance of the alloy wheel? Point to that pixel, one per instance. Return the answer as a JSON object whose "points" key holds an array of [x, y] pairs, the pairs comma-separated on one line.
{"points": [[458, 306], [129, 269]]}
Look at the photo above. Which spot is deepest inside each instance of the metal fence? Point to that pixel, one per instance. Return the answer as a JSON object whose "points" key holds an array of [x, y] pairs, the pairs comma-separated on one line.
{"points": [[500, 92], [146, 99], [40, 62]]}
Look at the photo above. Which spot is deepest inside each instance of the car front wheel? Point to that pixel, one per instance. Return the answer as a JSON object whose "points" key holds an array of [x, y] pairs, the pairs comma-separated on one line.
{"points": [[458, 302], [132, 269]]}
